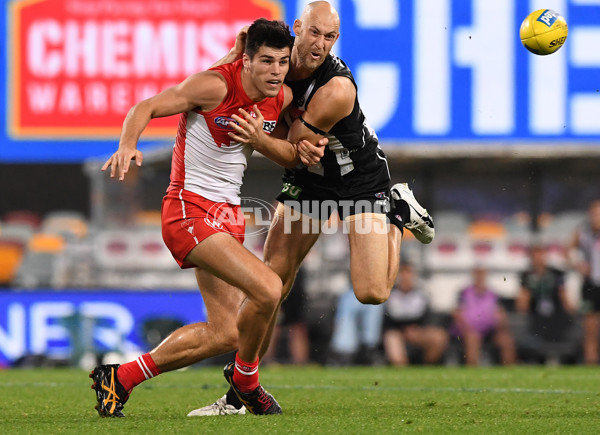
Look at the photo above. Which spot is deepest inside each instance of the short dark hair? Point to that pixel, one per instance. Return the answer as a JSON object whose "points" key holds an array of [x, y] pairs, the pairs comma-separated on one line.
{"points": [[274, 34]]}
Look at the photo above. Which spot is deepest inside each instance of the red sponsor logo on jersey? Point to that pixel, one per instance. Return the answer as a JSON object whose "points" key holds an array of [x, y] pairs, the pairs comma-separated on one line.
{"points": [[78, 66]]}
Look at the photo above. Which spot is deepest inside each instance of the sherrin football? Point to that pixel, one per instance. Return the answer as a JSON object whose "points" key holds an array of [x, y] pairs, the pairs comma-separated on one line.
{"points": [[543, 32]]}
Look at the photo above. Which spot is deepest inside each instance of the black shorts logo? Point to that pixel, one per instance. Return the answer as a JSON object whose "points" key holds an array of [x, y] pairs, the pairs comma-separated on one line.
{"points": [[291, 191]]}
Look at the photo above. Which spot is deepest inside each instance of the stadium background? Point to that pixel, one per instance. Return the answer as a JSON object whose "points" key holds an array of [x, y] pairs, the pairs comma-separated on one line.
{"points": [[501, 146]]}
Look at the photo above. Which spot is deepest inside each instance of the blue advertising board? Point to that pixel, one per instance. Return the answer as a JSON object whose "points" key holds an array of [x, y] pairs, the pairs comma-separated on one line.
{"points": [[59, 323], [429, 71]]}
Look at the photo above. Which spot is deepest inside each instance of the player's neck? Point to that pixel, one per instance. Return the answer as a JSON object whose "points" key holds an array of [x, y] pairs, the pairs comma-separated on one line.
{"points": [[298, 70]]}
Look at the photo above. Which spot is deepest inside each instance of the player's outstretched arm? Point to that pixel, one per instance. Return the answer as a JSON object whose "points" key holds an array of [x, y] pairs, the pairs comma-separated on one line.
{"points": [[206, 90]]}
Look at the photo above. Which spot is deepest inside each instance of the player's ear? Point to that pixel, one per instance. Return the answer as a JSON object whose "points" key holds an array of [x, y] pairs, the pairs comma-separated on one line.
{"points": [[297, 27], [246, 61]]}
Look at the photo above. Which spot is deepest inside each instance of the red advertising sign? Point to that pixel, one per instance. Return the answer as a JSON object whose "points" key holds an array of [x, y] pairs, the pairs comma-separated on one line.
{"points": [[78, 66]]}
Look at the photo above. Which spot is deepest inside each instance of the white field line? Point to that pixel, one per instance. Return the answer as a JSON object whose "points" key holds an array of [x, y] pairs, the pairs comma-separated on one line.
{"points": [[342, 388]]}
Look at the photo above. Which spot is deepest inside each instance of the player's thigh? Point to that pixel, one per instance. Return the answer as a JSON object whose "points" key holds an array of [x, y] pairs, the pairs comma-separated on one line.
{"points": [[368, 238], [227, 259], [290, 238]]}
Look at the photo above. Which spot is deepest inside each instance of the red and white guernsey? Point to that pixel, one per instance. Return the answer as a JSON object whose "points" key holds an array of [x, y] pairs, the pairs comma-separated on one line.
{"points": [[205, 159]]}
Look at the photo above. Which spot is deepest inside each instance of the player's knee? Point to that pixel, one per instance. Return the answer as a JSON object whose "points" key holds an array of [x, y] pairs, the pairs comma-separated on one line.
{"points": [[285, 291], [372, 300], [269, 296], [286, 274], [372, 295]]}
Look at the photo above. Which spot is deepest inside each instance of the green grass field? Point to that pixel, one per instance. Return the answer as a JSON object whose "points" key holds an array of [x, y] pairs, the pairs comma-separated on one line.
{"points": [[319, 401]]}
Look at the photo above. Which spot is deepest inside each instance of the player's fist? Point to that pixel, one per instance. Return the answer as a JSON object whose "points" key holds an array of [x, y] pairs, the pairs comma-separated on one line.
{"points": [[311, 154]]}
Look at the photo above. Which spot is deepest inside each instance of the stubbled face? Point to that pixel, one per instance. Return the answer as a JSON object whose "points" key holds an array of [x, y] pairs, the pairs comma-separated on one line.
{"points": [[267, 69], [316, 33]]}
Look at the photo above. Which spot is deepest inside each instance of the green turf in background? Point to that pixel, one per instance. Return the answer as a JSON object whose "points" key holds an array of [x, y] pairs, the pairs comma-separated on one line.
{"points": [[530, 400]]}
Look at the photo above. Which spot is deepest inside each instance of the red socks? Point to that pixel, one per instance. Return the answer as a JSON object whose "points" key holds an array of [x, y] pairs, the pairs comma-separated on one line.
{"points": [[245, 375], [137, 371]]}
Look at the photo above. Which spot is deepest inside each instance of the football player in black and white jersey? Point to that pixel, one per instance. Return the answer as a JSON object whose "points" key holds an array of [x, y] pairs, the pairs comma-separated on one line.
{"points": [[351, 173]]}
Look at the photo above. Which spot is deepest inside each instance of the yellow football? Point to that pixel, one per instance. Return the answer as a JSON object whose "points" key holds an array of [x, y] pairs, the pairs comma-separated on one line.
{"points": [[543, 32]]}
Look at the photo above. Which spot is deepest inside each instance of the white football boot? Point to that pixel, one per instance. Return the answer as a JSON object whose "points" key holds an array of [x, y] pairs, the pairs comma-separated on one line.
{"points": [[420, 223], [220, 407]]}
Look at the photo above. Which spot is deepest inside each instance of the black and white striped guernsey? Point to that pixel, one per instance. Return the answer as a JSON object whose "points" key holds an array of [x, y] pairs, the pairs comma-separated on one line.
{"points": [[353, 159]]}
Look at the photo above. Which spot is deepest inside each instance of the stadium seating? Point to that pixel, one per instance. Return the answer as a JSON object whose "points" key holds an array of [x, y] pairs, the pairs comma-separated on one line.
{"points": [[147, 219], [451, 222], [449, 252], [69, 224], [115, 249], [17, 231], [152, 251], [133, 254], [22, 217], [38, 268], [486, 230], [11, 254]]}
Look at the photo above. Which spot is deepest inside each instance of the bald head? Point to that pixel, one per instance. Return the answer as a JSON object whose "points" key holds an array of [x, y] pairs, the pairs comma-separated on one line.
{"points": [[316, 31], [322, 11]]}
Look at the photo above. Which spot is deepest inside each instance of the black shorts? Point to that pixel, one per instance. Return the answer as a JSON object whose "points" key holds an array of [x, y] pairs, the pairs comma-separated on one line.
{"points": [[322, 209], [364, 190], [590, 297]]}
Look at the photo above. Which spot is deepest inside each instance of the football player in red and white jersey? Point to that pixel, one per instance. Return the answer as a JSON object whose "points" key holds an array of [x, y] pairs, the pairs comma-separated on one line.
{"points": [[202, 222]]}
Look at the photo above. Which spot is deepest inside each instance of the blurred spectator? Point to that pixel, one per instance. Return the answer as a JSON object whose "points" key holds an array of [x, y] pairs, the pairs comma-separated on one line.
{"points": [[479, 318], [544, 297], [356, 335], [406, 324], [291, 325], [586, 240]]}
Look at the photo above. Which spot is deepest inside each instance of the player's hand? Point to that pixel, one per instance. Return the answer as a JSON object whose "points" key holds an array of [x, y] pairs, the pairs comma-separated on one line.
{"points": [[119, 162], [248, 130], [311, 154], [240, 42]]}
